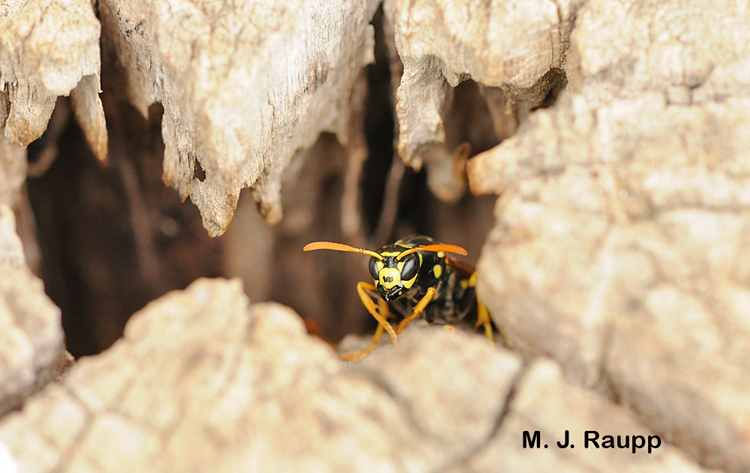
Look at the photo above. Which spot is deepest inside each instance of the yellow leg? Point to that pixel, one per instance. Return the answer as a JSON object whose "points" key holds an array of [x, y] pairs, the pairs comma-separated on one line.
{"points": [[483, 317], [359, 356], [380, 316], [417, 310], [362, 288]]}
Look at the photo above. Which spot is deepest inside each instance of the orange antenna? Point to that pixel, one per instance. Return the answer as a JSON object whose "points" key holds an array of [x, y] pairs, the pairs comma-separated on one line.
{"points": [[439, 247], [329, 245]]}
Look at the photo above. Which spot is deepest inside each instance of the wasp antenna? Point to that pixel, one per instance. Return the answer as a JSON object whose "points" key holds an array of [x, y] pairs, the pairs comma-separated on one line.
{"points": [[329, 245], [440, 247]]}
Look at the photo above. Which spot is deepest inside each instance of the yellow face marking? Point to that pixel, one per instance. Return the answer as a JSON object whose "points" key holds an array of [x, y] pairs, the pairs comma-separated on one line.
{"points": [[408, 284], [389, 277], [441, 254], [464, 283], [437, 270]]}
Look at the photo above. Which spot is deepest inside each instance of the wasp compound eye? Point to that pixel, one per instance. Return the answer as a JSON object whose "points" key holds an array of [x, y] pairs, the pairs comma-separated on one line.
{"points": [[411, 266], [374, 268]]}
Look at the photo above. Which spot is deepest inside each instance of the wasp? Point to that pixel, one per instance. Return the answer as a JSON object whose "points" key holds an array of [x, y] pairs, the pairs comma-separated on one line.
{"points": [[414, 277]]}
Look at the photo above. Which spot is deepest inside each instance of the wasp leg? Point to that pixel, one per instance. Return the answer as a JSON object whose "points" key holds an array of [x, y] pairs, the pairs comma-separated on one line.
{"points": [[362, 288], [483, 317], [359, 356], [417, 310], [385, 312]]}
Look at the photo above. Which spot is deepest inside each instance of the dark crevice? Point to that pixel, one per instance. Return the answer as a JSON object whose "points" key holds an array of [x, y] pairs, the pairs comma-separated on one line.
{"points": [[379, 127], [198, 171], [112, 236]]}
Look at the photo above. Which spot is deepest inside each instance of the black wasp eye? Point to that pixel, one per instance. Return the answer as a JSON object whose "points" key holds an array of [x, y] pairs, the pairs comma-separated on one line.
{"points": [[411, 266], [373, 268]]}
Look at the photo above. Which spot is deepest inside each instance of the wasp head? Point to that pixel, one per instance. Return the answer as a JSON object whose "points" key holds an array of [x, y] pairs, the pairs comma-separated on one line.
{"points": [[393, 275]]}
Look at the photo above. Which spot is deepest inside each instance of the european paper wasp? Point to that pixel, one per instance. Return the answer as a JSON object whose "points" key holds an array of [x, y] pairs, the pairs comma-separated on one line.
{"points": [[414, 277]]}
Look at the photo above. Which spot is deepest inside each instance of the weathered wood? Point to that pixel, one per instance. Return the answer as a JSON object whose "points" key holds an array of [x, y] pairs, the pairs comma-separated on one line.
{"points": [[623, 219], [31, 337], [244, 86], [204, 381], [509, 47], [618, 248], [49, 48]]}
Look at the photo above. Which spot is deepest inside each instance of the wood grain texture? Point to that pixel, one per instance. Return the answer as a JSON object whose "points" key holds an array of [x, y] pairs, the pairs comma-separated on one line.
{"points": [[623, 216]]}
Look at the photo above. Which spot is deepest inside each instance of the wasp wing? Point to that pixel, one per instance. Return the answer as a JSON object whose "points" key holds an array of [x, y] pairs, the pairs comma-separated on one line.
{"points": [[464, 270]]}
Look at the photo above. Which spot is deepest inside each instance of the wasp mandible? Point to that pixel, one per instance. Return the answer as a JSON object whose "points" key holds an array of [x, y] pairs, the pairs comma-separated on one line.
{"points": [[414, 277]]}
